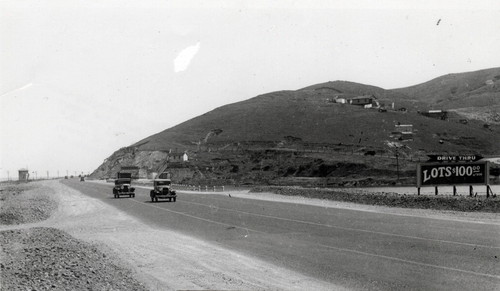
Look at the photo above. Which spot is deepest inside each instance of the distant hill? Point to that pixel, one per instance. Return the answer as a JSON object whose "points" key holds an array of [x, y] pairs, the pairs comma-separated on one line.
{"points": [[322, 132], [471, 89]]}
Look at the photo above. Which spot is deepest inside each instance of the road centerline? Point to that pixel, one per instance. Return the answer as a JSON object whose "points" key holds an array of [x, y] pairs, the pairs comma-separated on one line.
{"points": [[410, 262], [199, 218]]}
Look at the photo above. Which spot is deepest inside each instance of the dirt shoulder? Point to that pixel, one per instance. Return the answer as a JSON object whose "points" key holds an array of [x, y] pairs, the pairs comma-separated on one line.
{"points": [[157, 259], [37, 257]]}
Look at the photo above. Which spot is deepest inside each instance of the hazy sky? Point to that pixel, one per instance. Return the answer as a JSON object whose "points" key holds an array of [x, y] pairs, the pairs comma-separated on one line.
{"points": [[81, 79]]}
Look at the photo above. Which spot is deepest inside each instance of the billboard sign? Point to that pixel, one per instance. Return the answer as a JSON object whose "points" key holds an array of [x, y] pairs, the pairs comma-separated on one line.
{"points": [[459, 173], [452, 158]]}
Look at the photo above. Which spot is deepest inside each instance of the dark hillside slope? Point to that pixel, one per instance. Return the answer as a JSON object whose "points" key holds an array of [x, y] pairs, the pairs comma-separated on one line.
{"points": [[305, 137], [471, 89], [311, 118]]}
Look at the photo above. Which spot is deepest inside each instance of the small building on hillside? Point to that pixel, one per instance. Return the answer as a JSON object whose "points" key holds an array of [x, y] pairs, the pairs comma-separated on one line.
{"points": [[403, 128], [361, 100], [341, 100], [406, 136], [178, 157], [367, 101], [403, 131], [132, 170], [24, 175], [437, 114]]}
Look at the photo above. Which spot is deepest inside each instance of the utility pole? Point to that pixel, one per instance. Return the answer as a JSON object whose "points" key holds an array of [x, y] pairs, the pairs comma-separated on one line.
{"points": [[397, 162]]}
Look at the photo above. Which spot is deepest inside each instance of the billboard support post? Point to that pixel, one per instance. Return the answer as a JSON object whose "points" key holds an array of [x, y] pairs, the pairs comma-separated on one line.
{"points": [[489, 191]]}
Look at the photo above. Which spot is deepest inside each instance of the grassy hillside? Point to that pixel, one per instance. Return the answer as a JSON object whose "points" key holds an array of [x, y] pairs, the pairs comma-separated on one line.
{"points": [[303, 137], [311, 118], [471, 89]]}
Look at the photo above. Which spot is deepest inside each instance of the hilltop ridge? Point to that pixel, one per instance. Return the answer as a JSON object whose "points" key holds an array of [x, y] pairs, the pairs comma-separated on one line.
{"points": [[320, 128]]}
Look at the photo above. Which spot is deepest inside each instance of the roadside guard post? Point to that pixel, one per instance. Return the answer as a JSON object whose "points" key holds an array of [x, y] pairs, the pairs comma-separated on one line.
{"points": [[448, 170]]}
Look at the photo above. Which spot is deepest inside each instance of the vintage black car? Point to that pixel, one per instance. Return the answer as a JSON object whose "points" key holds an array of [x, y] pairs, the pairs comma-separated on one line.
{"points": [[162, 190], [123, 188]]}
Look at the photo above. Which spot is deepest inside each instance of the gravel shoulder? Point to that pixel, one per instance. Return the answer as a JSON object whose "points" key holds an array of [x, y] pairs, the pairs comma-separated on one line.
{"points": [[151, 258], [37, 256]]}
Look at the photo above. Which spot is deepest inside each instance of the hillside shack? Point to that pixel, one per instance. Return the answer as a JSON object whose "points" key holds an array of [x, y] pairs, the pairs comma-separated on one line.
{"points": [[403, 128], [24, 175], [130, 171], [178, 157], [341, 100], [406, 136], [437, 114], [361, 100]]}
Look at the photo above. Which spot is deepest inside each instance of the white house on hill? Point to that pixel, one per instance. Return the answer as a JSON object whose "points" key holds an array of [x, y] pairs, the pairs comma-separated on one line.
{"points": [[178, 157]]}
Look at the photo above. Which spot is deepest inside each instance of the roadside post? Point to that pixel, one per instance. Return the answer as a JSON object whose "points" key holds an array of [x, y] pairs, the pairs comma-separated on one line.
{"points": [[449, 170], [489, 191]]}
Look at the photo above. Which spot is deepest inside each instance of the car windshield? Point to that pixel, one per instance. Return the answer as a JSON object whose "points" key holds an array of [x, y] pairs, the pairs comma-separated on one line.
{"points": [[162, 183], [122, 181]]}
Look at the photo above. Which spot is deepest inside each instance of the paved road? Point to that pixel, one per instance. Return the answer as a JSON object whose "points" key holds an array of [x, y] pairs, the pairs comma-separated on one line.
{"points": [[360, 250]]}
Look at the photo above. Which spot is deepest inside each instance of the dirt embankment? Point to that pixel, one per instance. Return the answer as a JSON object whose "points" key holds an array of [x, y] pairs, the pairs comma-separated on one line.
{"points": [[45, 258], [455, 203], [21, 203]]}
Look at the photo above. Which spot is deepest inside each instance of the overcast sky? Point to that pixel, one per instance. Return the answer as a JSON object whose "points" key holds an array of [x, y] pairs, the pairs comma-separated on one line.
{"points": [[81, 79]]}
